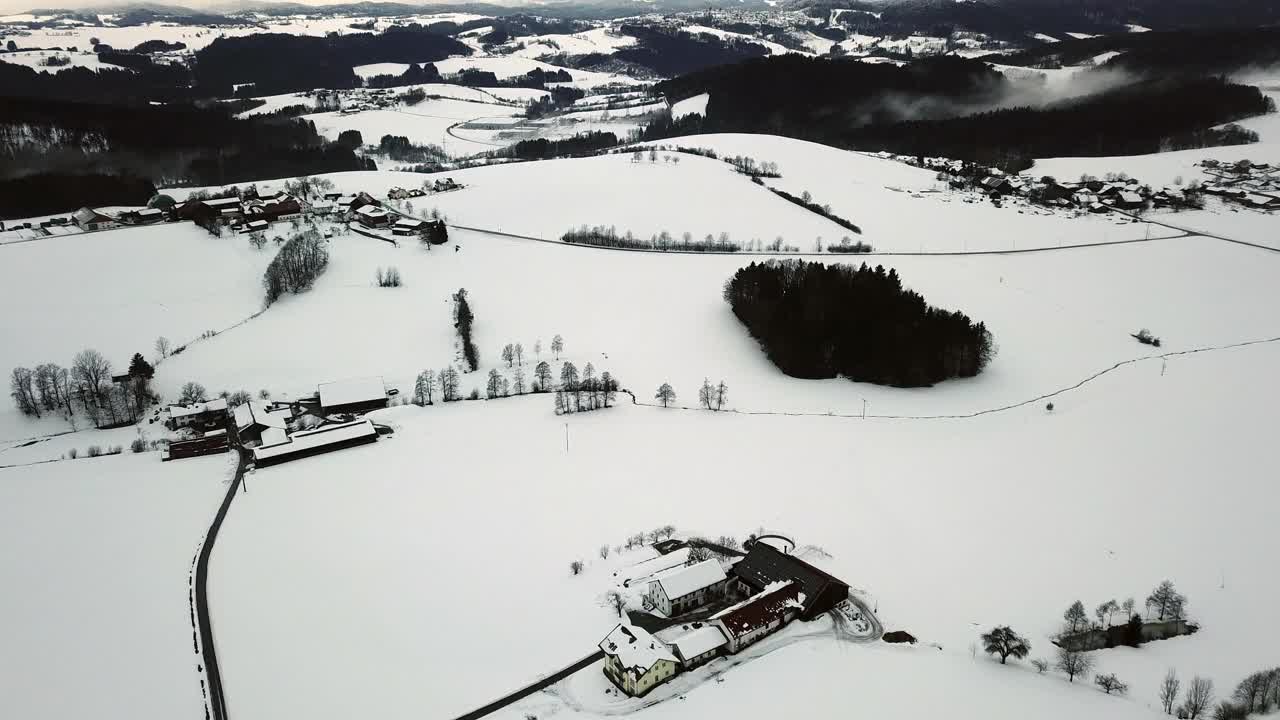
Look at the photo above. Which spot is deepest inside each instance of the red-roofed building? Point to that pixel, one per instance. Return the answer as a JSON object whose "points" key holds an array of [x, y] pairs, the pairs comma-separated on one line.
{"points": [[759, 615]]}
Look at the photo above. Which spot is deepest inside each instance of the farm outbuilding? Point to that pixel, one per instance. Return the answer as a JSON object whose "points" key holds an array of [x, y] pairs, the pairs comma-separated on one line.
{"points": [[357, 395], [765, 565], [307, 443]]}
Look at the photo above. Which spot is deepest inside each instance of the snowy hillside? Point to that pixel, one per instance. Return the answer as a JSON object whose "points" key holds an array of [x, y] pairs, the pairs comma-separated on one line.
{"points": [[428, 574]]}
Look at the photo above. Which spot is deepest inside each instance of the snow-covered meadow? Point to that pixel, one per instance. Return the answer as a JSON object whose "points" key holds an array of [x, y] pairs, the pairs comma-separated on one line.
{"points": [[95, 555], [427, 574]]}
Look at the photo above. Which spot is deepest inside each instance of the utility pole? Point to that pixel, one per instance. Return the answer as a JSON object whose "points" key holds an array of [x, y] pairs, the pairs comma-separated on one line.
{"points": [[864, 408], [566, 437]]}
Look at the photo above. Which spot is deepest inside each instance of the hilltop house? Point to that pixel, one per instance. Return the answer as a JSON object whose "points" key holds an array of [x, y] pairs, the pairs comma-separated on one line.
{"points": [[635, 661], [759, 615], [765, 565], [679, 590], [357, 395], [203, 414], [88, 219]]}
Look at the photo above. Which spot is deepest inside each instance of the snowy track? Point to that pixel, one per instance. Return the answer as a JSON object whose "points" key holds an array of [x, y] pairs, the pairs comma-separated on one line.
{"points": [[208, 649]]}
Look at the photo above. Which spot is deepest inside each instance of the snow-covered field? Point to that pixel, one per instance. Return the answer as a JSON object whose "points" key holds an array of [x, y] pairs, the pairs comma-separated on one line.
{"points": [[598, 40], [427, 574], [34, 58], [116, 292], [95, 556], [426, 122], [401, 541]]}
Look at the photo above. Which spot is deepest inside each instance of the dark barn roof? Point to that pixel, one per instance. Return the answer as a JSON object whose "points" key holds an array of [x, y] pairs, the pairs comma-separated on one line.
{"points": [[760, 610], [765, 564]]}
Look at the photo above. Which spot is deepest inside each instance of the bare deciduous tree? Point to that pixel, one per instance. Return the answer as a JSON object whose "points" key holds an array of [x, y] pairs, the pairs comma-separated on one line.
{"points": [[22, 389], [557, 346], [493, 388], [1199, 697], [509, 353], [1073, 663], [1003, 641], [615, 600], [1111, 684], [518, 385], [163, 346], [519, 352], [1040, 664], [575, 567], [542, 375], [1105, 611], [1077, 619], [665, 395], [1169, 688], [722, 394], [191, 392], [706, 394]]}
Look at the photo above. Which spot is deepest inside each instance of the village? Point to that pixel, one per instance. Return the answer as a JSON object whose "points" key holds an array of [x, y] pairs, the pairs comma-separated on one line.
{"points": [[699, 601], [1243, 184], [247, 212]]}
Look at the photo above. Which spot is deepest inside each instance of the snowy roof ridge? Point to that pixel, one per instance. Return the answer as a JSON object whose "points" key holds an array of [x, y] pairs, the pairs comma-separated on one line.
{"points": [[682, 581], [635, 648]]}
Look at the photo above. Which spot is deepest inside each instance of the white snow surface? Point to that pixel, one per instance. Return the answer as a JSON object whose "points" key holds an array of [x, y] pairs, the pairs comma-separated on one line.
{"points": [[33, 58], [95, 555], [696, 105]]}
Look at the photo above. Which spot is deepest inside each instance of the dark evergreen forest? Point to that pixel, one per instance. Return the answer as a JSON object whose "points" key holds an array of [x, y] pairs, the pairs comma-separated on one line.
{"points": [[823, 321]]}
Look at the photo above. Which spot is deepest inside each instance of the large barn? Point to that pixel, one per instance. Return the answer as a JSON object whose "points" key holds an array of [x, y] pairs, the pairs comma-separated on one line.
{"points": [[357, 395], [766, 564]]}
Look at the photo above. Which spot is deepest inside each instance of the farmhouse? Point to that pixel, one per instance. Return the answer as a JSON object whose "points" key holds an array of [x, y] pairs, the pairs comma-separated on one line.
{"points": [[1264, 202], [699, 646], [408, 226], [88, 219], [255, 226], [210, 443], [254, 422], [372, 216], [203, 414], [759, 615], [281, 207], [635, 661], [307, 443], [685, 588], [357, 395], [765, 565]]}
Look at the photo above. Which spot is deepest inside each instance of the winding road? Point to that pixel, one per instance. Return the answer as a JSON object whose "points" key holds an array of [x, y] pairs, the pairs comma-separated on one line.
{"points": [[208, 648]]}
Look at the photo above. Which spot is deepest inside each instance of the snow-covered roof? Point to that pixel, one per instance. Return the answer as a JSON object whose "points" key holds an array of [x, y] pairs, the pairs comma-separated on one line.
{"points": [[308, 439], [678, 582], [698, 642], [176, 411], [408, 222], [354, 390], [635, 648], [149, 212], [258, 224], [654, 565], [760, 609], [1130, 197], [371, 211], [1260, 199], [274, 436], [255, 413], [223, 202]]}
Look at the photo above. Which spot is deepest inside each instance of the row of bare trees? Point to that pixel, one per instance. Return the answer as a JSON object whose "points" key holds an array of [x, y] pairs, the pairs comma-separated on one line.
{"points": [[586, 392], [87, 385]]}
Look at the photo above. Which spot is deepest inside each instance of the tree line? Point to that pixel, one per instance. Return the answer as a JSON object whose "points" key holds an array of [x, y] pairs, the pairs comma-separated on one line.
{"points": [[819, 321], [88, 385], [585, 392], [601, 236], [462, 320]]}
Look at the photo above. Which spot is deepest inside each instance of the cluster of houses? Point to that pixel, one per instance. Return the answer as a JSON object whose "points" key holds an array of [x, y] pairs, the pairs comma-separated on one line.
{"points": [[277, 432], [438, 186], [761, 592], [1254, 185]]}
